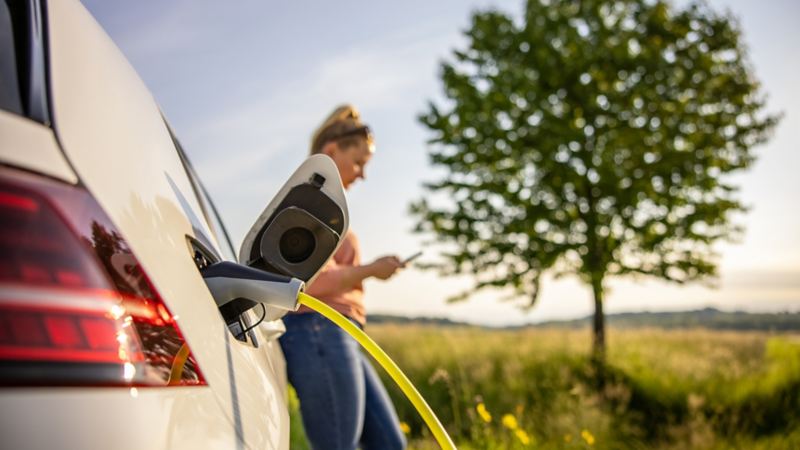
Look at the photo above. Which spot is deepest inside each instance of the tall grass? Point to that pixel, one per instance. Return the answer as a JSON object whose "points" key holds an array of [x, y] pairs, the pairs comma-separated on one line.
{"points": [[536, 388]]}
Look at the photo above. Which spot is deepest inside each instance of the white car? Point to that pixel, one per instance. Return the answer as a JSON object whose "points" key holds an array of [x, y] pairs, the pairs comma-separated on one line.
{"points": [[110, 337]]}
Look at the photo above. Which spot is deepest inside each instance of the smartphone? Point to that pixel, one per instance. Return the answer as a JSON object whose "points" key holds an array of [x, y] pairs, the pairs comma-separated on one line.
{"points": [[412, 257]]}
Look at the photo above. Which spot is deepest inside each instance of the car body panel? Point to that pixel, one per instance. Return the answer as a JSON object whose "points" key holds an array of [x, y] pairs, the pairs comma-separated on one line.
{"points": [[32, 146], [142, 418]]}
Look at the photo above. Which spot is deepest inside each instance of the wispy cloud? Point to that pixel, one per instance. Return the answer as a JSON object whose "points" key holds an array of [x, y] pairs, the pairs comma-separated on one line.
{"points": [[375, 76]]}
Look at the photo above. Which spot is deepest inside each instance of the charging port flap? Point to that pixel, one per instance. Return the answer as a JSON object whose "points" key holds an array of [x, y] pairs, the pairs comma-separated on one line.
{"points": [[303, 226]]}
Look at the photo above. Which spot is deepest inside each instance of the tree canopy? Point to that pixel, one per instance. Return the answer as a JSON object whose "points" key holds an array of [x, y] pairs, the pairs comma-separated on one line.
{"points": [[592, 138]]}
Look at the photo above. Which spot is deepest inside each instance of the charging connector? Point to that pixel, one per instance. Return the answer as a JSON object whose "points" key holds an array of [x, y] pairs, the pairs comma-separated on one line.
{"points": [[237, 288]]}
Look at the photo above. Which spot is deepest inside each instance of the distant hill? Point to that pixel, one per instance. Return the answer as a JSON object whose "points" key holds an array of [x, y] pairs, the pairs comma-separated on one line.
{"points": [[403, 320], [710, 318]]}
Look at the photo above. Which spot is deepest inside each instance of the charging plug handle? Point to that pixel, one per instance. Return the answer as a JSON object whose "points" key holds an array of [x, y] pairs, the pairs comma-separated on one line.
{"points": [[229, 281]]}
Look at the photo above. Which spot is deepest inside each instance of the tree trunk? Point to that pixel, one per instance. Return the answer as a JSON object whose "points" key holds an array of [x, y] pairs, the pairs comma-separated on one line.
{"points": [[599, 335]]}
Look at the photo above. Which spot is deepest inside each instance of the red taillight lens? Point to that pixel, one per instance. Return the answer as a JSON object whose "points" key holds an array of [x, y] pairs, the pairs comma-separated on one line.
{"points": [[76, 307]]}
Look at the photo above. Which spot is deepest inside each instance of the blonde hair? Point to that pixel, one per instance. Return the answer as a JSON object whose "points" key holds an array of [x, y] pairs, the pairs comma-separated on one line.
{"points": [[343, 126]]}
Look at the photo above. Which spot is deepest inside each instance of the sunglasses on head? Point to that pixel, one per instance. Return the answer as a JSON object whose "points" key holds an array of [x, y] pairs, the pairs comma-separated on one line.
{"points": [[363, 130]]}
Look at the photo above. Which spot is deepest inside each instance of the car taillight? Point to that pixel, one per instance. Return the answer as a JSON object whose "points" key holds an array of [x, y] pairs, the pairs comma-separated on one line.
{"points": [[76, 307]]}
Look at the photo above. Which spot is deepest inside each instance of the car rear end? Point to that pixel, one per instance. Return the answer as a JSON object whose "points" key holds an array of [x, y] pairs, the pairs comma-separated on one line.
{"points": [[108, 334]]}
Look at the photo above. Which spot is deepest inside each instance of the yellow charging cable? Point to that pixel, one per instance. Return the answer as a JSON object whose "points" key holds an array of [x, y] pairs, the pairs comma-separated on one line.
{"points": [[176, 372], [383, 359]]}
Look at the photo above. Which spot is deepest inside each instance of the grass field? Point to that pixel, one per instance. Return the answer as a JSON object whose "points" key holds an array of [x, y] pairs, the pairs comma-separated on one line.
{"points": [[537, 389]]}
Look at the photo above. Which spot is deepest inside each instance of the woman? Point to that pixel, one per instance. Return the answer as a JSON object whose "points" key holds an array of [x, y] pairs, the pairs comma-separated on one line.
{"points": [[342, 400]]}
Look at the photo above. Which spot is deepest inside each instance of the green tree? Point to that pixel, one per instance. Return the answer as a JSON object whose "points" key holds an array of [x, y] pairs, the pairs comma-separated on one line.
{"points": [[591, 138]]}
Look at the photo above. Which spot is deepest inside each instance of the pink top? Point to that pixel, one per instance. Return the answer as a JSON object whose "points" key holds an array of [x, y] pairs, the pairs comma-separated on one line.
{"points": [[327, 286]]}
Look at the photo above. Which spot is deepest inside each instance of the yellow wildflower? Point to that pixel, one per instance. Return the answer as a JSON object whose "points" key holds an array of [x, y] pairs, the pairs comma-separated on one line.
{"points": [[510, 422], [587, 436], [481, 408], [523, 436], [405, 428]]}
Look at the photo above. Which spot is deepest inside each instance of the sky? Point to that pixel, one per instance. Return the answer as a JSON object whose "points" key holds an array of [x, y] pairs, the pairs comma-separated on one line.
{"points": [[244, 83]]}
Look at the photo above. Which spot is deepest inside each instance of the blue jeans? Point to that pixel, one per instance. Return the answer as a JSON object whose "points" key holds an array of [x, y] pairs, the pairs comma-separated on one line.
{"points": [[342, 400]]}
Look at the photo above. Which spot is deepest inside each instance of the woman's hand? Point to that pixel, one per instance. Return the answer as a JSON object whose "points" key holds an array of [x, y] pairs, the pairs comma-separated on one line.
{"points": [[384, 267]]}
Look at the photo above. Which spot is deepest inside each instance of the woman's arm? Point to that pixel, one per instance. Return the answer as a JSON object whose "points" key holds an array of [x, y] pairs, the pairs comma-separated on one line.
{"points": [[336, 278]]}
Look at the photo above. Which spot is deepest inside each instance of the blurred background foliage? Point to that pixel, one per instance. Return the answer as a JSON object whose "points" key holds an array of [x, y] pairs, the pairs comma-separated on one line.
{"points": [[664, 389]]}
